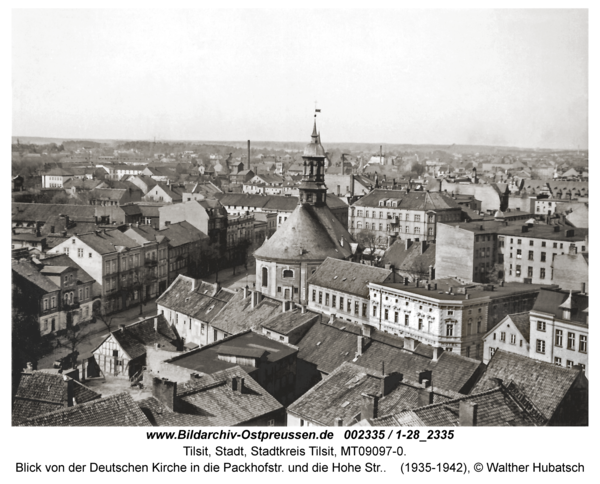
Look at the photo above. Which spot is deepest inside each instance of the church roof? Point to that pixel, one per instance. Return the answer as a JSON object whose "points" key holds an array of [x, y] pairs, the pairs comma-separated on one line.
{"points": [[314, 149], [310, 233]]}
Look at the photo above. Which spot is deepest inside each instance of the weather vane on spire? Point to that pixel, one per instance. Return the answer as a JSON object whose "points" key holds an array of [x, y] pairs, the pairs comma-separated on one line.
{"points": [[317, 110]]}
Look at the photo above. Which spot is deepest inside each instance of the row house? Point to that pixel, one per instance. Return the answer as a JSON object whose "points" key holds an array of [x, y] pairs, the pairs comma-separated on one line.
{"points": [[339, 287], [240, 230], [402, 214], [446, 313], [115, 261], [62, 295], [114, 196]]}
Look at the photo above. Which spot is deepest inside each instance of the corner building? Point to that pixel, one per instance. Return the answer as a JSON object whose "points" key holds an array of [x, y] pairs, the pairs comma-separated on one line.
{"points": [[285, 262]]}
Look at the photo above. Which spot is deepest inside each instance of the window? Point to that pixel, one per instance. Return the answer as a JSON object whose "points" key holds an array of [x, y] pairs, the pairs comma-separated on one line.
{"points": [[356, 308], [67, 250], [417, 230], [45, 304], [554, 245], [543, 257], [79, 252], [320, 297], [569, 364], [333, 301], [381, 227], [531, 242], [557, 361], [540, 346], [518, 270], [364, 312], [430, 231], [502, 336], [374, 310], [513, 339], [543, 244], [558, 338], [349, 306], [570, 341], [530, 272], [449, 330], [395, 316], [494, 336], [341, 303], [518, 253], [479, 326], [385, 312], [417, 218], [406, 320], [518, 241], [582, 343], [327, 299], [314, 295], [288, 273], [542, 273], [530, 255], [450, 313], [492, 351], [541, 326], [420, 324]]}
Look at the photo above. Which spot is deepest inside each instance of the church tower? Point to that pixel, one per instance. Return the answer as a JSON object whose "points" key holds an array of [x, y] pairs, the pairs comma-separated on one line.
{"points": [[311, 234]]}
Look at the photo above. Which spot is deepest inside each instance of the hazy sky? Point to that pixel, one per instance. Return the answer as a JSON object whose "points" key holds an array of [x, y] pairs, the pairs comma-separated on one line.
{"points": [[505, 77]]}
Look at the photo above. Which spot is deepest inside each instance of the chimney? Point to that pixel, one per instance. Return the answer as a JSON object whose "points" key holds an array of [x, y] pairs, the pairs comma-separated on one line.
{"points": [[425, 394], [70, 392], [156, 324], [284, 306], [409, 344], [431, 273], [387, 266], [121, 328], [248, 167], [369, 406], [407, 244], [467, 414], [245, 292], [338, 422], [366, 331], [437, 352], [303, 309], [360, 345], [331, 318], [29, 366], [237, 384], [423, 246], [583, 288], [165, 391]]}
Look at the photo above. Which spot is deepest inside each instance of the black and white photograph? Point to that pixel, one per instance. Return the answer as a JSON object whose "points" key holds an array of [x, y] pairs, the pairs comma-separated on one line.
{"points": [[299, 217]]}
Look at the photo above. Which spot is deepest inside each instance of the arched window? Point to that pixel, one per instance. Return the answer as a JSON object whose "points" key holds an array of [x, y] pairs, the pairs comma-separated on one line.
{"points": [[265, 277], [288, 273]]}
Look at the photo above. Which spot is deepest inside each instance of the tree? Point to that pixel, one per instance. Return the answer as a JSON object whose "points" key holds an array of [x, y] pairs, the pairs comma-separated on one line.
{"points": [[368, 239], [417, 271], [72, 338], [417, 168]]}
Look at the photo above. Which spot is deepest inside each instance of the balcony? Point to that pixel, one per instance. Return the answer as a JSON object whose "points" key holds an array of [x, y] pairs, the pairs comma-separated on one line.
{"points": [[151, 262]]}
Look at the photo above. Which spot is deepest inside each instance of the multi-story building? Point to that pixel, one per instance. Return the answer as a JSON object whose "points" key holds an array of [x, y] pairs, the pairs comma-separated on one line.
{"points": [[511, 334], [341, 288], [55, 178], [59, 295], [402, 214], [517, 252], [559, 328], [447, 313], [114, 260]]}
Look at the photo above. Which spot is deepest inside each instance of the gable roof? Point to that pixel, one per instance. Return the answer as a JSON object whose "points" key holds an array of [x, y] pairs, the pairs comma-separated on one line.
{"points": [[496, 407], [134, 337], [106, 241], [41, 212], [39, 393], [114, 411], [210, 401], [550, 302], [238, 315], [543, 383], [348, 277], [197, 299], [65, 260], [340, 395], [521, 322], [31, 273], [329, 344], [414, 259], [413, 200]]}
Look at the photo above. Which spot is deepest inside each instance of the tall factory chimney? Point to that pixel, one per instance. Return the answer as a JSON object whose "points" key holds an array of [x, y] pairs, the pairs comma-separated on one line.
{"points": [[248, 167]]}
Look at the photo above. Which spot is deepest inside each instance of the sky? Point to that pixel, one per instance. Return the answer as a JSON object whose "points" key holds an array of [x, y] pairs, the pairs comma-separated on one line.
{"points": [[484, 77]]}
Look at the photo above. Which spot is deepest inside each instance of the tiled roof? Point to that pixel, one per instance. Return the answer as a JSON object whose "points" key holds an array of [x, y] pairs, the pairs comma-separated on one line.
{"points": [[521, 321], [348, 277], [327, 346], [134, 337], [57, 172], [310, 233], [65, 260], [550, 301], [105, 242], [409, 201], [238, 315], [206, 360], [31, 273], [203, 302], [543, 383], [107, 193], [114, 411], [40, 212], [497, 407], [40, 393], [269, 202], [412, 259], [340, 395], [210, 402], [284, 323]]}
